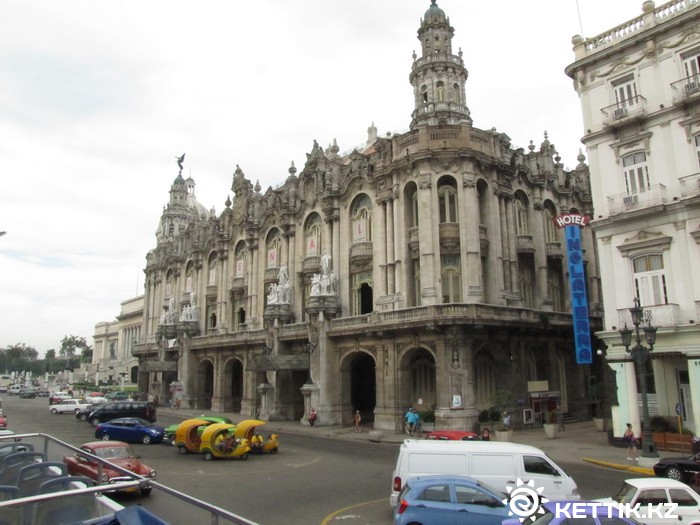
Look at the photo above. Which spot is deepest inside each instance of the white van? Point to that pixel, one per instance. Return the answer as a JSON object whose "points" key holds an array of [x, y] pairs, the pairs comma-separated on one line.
{"points": [[500, 464]]}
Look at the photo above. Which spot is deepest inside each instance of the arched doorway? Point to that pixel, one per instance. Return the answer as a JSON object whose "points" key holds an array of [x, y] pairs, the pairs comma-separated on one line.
{"points": [[366, 302], [359, 386], [233, 386], [416, 383], [205, 384]]}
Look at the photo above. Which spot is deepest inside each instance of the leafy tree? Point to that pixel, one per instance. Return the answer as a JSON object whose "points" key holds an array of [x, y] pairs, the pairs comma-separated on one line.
{"points": [[50, 354], [70, 344]]}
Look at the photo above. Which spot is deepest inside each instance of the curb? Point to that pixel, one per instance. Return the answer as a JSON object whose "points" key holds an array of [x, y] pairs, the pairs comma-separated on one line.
{"points": [[617, 466]]}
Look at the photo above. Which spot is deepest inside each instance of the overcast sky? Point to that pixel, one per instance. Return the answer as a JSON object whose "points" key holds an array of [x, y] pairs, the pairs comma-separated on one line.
{"points": [[98, 97]]}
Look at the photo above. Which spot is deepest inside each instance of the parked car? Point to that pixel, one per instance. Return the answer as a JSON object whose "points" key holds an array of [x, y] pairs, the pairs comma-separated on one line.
{"points": [[95, 400], [28, 393], [57, 397], [453, 435], [131, 430], [14, 390], [68, 405], [143, 409], [3, 422], [450, 499], [172, 429], [116, 396], [84, 414], [117, 452], [42, 392], [553, 516], [681, 468], [659, 491]]}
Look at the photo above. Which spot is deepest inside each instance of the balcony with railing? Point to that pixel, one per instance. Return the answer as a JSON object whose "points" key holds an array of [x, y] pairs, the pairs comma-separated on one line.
{"points": [[449, 234], [525, 243], [690, 185], [657, 315], [686, 90], [361, 252], [624, 113], [554, 250], [626, 202]]}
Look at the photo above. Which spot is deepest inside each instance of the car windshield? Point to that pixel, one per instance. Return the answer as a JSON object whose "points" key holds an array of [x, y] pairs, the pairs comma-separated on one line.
{"points": [[114, 452], [625, 494]]}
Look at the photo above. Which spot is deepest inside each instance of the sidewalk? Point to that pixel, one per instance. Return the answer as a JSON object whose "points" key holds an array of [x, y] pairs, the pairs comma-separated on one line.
{"points": [[580, 440]]}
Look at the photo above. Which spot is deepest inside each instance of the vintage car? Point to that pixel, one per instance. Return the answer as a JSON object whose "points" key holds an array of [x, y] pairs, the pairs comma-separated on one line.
{"points": [[68, 405], [682, 500], [3, 422], [131, 430], [172, 429], [117, 452], [453, 435], [117, 396], [217, 442], [57, 397], [683, 469]]}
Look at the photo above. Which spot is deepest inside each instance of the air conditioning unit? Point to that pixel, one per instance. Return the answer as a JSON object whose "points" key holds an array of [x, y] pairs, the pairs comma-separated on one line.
{"points": [[620, 112], [629, 200]]}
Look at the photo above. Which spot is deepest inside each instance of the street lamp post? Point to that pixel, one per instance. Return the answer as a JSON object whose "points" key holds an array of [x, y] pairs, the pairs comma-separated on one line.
{"points": [[640, 354]]}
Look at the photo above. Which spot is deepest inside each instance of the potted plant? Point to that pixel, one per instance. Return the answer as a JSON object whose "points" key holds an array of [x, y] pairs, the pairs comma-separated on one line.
{"points": [[599, 424], [550, 425], [501, 399]]}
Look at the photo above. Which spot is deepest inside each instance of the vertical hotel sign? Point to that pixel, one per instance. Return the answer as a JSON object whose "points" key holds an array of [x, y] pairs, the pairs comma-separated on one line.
{"points": [[572, 224]]}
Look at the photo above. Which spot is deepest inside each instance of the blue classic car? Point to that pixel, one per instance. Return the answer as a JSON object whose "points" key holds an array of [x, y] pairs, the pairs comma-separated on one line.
{"points": [[131, 430]]}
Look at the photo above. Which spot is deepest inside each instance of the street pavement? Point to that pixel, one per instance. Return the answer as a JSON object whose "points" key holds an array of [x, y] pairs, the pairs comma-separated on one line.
{"points": [[579, 440]]}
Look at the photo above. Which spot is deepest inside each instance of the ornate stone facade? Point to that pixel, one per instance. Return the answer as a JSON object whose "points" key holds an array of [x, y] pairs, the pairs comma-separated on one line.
{"points": [[422, 269]]}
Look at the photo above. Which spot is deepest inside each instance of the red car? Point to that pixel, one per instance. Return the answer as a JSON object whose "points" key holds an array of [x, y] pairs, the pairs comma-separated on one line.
{"points": [[3, 422], [117, 452], [453, 435]]}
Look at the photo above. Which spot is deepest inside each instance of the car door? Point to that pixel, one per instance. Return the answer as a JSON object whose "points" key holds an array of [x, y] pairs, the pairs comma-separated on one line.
{"points": [[544, 474], [130, 430], [688, 502], [475, 505], [434, 505], [655, 497]]}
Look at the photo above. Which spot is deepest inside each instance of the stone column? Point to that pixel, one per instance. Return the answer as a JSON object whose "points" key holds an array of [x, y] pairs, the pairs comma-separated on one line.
{"points": [[429, 238], [390, 257], [544, 302], [381, 241], [469, 235]]}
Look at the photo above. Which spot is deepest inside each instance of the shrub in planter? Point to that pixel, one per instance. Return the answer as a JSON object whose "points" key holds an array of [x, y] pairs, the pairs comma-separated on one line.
{"points": [[659, 424]]}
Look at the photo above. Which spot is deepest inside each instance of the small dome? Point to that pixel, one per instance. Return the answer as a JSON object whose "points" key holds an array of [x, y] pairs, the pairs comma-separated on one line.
{"points": [[179, 181], [434, 13]]}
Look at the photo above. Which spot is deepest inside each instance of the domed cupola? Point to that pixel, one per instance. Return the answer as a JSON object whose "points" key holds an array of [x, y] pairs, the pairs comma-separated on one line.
{"points": [[438, 76]]}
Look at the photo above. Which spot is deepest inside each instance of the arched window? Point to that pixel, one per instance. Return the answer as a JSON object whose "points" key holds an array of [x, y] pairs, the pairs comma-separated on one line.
{"points": [[440, 91], [447, 195], [212, 269], [424, 93], [636, 172], [241, 256], [455, 91], [312, 234], [550, 230], [650, 280], [361, 219], [696, 141], [273, 250], [451, 278], [521, 215]]}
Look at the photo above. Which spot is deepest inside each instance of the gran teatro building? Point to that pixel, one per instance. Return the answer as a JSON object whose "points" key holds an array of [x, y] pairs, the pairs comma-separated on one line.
{"points": [[422, 269]]}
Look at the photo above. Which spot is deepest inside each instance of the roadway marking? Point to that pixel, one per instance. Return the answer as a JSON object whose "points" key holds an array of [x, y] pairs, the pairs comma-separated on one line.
{"points": [[333, 515]]}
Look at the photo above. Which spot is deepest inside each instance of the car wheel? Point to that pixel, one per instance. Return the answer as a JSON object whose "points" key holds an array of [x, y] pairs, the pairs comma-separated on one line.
{"points": [[95, 422], [146, 439], [54, 411], [83, 417], [208, 456], [76, 411], [171, 440], [146, 492], [244, 456], [182, 450], [273, 451], [674, 472], [105, 437]]}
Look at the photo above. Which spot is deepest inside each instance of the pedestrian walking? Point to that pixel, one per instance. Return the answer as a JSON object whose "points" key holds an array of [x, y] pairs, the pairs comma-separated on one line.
{"points": [[357, 419], [313, 415], [485, 435], [631, 440]]}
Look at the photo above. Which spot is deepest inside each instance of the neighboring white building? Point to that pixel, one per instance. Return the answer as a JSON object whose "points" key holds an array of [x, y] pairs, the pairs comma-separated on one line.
{"points": [[113, 342], [639, 85]]}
